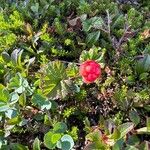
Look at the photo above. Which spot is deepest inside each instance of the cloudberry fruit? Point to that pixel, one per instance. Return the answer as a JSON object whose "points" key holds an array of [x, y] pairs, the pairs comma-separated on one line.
{"points": [[90, 70]]}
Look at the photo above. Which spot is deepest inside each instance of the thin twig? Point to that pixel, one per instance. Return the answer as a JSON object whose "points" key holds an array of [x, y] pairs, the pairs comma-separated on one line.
{"points": [[102, 29], [68, 62], [122, 38], [48, 114], [108, 23]]}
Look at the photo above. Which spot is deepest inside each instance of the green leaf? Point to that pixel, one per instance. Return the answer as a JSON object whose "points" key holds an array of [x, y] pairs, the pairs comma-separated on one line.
{"points": [[35, 8], [29, 29], [125, 128], [72, 70], [133, 140], [87, 127], [64, 145], [5, 57], [87, 25], [4, 107], [55, 137], [93, 37], [54, 105], [134, 117], [119, 21], [66, 142], [143, 65], [118, 145], [95, 53], [55, 73], [22, 99], [16, 146], [148, 123], [36, 144], [94, 22], [143, 130], [131, 148], [19, 58], [97, 22], [60, 127], [4, 94], [55, 83], [15, 81], [19, 83], [96, 146], [116, 134], [146, 62], [144, 76], [11, 113], [14, 57], [94, 136], [1, 142], [41, 102], [14, 121], [47, 140], [14, 98], [147, 107], [144, 146], [23, 122]]}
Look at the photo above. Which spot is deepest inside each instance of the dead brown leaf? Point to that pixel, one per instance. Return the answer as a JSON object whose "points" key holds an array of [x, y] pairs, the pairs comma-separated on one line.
{"points": [[145, 34]]}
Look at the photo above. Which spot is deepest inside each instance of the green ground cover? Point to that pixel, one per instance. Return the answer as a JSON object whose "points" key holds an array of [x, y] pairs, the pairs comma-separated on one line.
{"points": [[44, 102]]}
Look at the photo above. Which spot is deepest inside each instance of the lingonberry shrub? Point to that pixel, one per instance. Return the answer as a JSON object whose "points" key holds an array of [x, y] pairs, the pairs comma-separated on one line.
{"points": [[90, 70]]}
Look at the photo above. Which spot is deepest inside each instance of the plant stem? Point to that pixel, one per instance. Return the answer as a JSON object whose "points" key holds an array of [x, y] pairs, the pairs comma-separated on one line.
{"points": [[108, 23], [68, 62]]}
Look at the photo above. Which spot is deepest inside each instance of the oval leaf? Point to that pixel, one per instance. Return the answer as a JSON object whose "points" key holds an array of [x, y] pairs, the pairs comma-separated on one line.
{"points": [[36, 144]]}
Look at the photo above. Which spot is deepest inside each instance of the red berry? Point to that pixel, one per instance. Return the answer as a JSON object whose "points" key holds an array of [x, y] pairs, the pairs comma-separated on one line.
{"points": [[90, 70]]}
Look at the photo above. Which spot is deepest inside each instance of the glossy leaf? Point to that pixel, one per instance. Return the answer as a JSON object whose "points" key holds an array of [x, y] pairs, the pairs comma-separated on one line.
{"points": [[55, 137], [17, 146], [20, 84], [14, 121], [72, 70], [14, 98], [14, 56], [60, 127], [131, 148], [134, 117], [5, 57], [36, 144], [41, 102], [133, 140], [118, 145], [47, 140], [11, 113], [143, 130], [143, 64], [35, 8], [4, 107], [94, 22], [65, 145], [148, 123], [55, 83], [144, 145], [4, 94], [93, 37], [116, 134], [125, 128], [95, 53], [66, 142], [22, 99]]}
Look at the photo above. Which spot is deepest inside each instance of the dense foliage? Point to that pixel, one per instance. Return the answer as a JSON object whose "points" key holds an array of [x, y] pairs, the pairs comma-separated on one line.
{"points": [[47, 101]]}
